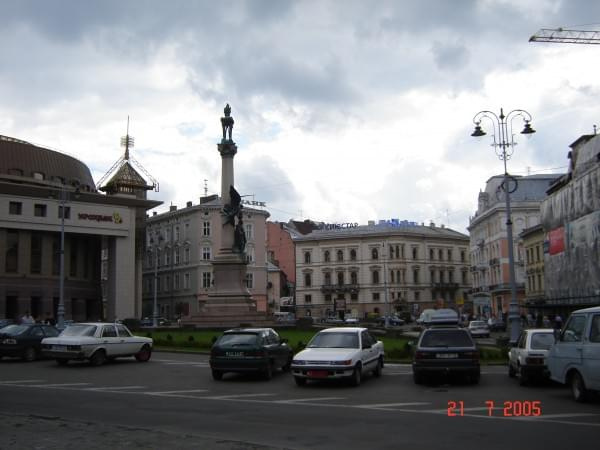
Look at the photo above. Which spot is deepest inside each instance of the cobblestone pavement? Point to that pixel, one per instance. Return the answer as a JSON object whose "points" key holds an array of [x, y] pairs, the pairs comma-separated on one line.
{"points": [[49, 433]]}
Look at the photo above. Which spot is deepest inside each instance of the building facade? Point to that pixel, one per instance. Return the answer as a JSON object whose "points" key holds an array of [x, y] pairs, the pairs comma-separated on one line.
{"points": [[491, 289], [392, 266], [180, 246], [46, 195], [532, 241]]}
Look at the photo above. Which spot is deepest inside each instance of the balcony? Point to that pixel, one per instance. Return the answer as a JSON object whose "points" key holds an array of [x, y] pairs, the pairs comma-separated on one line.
{"points": [[339, 288], [444, 286]]}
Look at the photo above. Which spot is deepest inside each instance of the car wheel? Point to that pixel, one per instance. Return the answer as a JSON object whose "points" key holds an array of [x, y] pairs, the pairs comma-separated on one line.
{"points": [[98, 358], [511, 371], [29, 354], [578, 389], [377, 371], [144, 354], [62, 362], [356, 377], [300, 381], [268, 373], [523, 378], [217, 375]]}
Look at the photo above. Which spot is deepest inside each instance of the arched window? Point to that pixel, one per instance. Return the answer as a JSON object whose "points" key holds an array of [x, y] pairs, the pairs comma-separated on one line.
{"points": [[340, 255], [431, 254], [374, 254], [340, 278], [352, 255], [307, 257], [307, 280], [327, 278], [353, 278], [326, 256], [375, 277]]}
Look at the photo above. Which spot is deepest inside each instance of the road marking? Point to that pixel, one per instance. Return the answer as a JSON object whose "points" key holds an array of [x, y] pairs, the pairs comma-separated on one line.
{"points": [[556, 416], [113, 388], [236, 396], [21, 381], [58, 385], [175, 393], [185, 363], [389, 405], [300, 400]]}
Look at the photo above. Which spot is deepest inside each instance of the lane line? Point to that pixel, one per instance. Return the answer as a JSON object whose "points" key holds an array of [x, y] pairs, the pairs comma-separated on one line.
{"points": [[174, 393], [236, 396], [57, 385], [21, 381], [389, 405], [300, 400], [113, 388]]}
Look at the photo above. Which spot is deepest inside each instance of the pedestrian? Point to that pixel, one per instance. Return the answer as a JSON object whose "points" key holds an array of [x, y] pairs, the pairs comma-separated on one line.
{"points": [[27, 318], [558, 322]]}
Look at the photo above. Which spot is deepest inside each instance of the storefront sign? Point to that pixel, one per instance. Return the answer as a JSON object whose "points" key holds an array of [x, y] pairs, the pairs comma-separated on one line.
{"points": [[116, 217], [338, 226], [254, 203], [396, 223]]}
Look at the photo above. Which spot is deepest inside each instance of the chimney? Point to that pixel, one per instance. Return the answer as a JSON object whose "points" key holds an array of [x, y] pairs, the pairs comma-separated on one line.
{"points": [[172, 208], [432, 225], [188, 205], [153, 213]]}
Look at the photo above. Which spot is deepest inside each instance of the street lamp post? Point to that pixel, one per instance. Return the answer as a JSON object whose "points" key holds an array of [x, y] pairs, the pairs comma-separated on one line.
{"points": [[386, 322], [155, 304], [504, 144]]}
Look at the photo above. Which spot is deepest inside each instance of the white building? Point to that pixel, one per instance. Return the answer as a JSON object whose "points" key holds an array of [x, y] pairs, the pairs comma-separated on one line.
{"points": [[357, 270]]}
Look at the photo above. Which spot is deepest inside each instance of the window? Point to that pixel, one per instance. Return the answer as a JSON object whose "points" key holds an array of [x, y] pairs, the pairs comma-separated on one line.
{"points": [[464, 277], [340, 255], [55, 254], [176, 255], [186, 281], [374, 254], [38, 176], [440, 254], [206, 279], [74, 257], [206, 228], [340, 278], [167, 256], [36, 253], [186, 255], [249, 229], [327, 298], [449, 254], [39, 210], [595, 331], [417, 296], [176, 281], [250, 255], [326, 256], [308, 298], [158, 257], [375, 277], [416, 275], [431, 254], [415, 253], [354, 297], [158, 283], [186, 231], [206, 253], [306, 257], [573, 331], [168, 283], [353, 278], [15, 208], [352, 255], [249, 280], [462, 256], [307, 280], [177, 234], [327, 278], [67, 210], [375, 296], [12, 250]]}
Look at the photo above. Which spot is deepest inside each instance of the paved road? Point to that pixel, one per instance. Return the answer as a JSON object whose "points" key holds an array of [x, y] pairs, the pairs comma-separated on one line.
{"points": [[172, 402]]}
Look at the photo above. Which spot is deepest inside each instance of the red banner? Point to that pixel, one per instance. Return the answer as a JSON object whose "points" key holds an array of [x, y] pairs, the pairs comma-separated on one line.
{"points": [[557, 240]]}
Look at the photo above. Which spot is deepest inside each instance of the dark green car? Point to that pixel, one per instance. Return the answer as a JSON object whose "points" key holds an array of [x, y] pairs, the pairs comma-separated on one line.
{"points": [[242, 350]]}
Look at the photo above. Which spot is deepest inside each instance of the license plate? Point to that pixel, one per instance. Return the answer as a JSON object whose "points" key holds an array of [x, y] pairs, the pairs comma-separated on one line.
{"points": [[234, 354], [446, 355], [317, 373]]}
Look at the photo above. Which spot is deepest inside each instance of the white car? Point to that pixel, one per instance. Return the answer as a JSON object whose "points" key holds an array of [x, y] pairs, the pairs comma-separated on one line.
{"points": [[528, 358], [96, 342], [478, 328], [336, 353], [574, 359]]}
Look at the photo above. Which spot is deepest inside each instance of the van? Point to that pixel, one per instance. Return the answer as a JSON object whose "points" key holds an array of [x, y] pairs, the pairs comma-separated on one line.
{"points": [[438, 317], [574, 359]]}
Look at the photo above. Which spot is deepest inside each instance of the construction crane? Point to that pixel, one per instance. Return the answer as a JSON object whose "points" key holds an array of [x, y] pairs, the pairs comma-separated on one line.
{"points": [[561, 35]]}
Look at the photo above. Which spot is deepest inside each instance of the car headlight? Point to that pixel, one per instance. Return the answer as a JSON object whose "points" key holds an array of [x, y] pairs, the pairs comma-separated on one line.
{"points": [[298, 362], [346, 362]]}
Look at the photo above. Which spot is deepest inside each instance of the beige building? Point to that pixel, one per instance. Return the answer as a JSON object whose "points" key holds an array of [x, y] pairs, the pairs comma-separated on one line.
{"points": [[180, 246], [491, 290], [351, 270], [45, 194]]}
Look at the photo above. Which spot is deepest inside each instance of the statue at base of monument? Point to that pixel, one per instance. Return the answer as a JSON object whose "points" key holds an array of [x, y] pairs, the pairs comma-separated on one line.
{"points": [[239, 236], [227, 123]]}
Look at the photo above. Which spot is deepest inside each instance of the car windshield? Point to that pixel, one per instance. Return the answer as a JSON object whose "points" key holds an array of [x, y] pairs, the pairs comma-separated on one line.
{"points": [[14, 330], [79, 330], [334, 340], [238, 339], [542, 341], [446, 338]]}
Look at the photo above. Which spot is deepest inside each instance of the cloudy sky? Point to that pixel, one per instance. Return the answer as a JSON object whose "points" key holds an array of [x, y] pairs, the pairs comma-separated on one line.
{"points": [[345, 111]]}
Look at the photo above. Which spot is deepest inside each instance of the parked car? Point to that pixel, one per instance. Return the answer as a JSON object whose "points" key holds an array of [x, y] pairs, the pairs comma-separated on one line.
{"points": [[5, 322], [478, 328], [96, 342], [351, 320], [496, 325], [333, 320], [148, 322], [240, 350], [438, 317], [24, 340], [574, 359], [445, 349], [528, 358], [336, 353], [393, 321]]}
